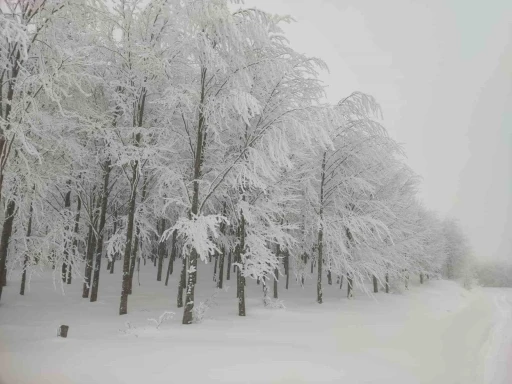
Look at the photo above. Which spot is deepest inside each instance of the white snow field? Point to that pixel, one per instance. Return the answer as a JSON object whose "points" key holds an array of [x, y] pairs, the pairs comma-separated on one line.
{"points": [[433, 333]]}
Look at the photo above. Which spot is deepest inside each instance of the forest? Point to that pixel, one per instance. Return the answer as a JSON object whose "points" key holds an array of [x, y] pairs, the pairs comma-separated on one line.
{"points": [[179, 133]]}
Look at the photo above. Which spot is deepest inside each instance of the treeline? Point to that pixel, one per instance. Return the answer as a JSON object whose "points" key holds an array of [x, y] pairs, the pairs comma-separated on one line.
{"points": [[494, 274], [190, 131]]}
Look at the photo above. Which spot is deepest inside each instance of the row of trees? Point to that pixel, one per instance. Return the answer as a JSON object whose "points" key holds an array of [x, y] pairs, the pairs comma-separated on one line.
{"points": [[494, 274], [191, 131]]}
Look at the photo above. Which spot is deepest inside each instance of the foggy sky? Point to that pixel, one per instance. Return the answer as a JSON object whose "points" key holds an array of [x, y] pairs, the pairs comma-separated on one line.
{"points": [[442, 72]]}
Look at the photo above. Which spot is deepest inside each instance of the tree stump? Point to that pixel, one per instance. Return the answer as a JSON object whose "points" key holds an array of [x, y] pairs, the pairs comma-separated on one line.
{"points": [[63, 331]]}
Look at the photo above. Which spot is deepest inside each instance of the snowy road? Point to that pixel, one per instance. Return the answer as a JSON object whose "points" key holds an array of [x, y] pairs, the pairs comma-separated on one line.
{"points": [[436, 333], [499, 344]]}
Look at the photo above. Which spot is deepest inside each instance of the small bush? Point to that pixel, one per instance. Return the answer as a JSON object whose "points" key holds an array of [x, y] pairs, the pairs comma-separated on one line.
{"points": [[166, 316], [273, 303], [199, 311]]}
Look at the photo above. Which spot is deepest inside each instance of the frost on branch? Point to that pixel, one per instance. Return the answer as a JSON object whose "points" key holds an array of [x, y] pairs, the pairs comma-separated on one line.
{"points": [[197, 234], [166, 316]]}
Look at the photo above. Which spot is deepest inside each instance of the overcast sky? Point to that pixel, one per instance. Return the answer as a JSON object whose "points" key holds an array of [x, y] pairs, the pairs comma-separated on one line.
{"points": [[442, 72]]}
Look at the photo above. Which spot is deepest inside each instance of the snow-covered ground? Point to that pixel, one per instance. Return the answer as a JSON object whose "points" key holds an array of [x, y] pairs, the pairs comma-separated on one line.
{"points": [[434, 333]]}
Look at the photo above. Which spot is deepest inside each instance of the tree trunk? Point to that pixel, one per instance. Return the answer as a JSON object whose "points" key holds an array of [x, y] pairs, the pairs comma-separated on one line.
{"points": [[133, 259], [329, 277], [4, 242], [319, 278], [135, 246], [276, 272], [101, 231], [75, 240], [421, 278], [375, 284], [25, 260], [228, 269], [387, 282], [265, 290], [171, 257], [161, 251], [91, 245], [216, 256], [182, 282], [194, 209], [220, 281], [66, 262], [350, 282], [341, 281], [114, 230], [240, 277], [127, 273], [287, 267]]}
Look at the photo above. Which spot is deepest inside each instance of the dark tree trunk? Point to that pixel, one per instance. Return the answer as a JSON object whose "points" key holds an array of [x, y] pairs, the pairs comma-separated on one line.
{"points": [[66, 262], [341, 281], [91, 245], [228, 269], [25, 260], [4, 242], [133, 259], [216, 256], [287, 267], [75, 240], [276, 272], [222, 254], [114, 230], [220, 281], [329, 277], [421, 278], [171, 257], [183, 281], [135, 246], [320, 237], [101, 232], [240, 276], [127, 272], [387, 283], [161, 250], [194, 209], [375, 284]]}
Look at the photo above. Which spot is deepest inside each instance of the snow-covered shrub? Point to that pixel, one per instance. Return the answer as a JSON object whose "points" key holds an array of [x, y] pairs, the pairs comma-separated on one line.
{"points": [[199, 311], [129, 329], [162, 318], [397, 285], [271, 303]]}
